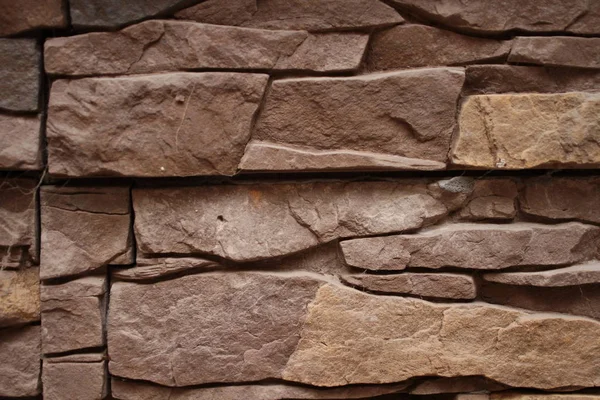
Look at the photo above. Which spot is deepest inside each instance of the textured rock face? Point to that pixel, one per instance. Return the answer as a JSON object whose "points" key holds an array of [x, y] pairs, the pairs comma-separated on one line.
{"points": [[158, 46], [18, 243], [151, 268], [31, 14], [19, 296], [492, 199], [73, 315], [20, 361], [580, 274], [312, 15], [251, 222], [529, 131], [456, 385], [406, 114], [20, 137], [557, 51], [411, 46], [562, 199], [530, 396], [441, 286], [189, 124], [83, 229], [63, 380], [577, 16], [477, 246], [19, 74]]}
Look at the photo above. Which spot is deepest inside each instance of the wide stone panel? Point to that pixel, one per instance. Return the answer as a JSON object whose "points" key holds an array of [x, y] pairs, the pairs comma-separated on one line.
{"points": [[19, 296], [252, 222], [20, 136], [83, 229], [580, 274], [31, 14], [477, 246], [311, 15], [557, 51], [161, 46], [20, 64], [20, 361], [176, 124], [252, 326], [412, 46], [528, 131], [396, 120], [74, 380]]}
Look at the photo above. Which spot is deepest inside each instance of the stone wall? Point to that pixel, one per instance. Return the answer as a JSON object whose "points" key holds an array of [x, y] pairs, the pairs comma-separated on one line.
{"points": [[300, 199]]}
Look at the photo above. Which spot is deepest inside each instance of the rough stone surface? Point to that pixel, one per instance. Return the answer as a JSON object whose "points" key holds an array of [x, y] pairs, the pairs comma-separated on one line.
{"points": [[440, 286], [20, 137], [489, 16], [312, 15], [490, 79], [69, 380], [186, 124], [329, 335], [562, 198], [77, 358], [412, 46], [529, 131], [20, 64], [31, 14], [538, 396], [152, 268], [364, 120], [557, 51], [19, 296], [456, 385], [18, 220], [492, 199], [83, 229], [129, 390], [252, 222], [574, 275], [20, 361], [73, 315], [477, 246], [159, 46]]}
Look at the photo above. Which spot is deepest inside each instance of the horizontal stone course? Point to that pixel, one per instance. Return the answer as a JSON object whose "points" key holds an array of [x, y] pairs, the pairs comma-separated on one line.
{"points": [[557, 51]]}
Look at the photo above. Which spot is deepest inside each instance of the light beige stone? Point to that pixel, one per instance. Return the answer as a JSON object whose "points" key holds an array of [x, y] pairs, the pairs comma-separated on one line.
{"points": [[20, 361], [70, 380], [19, 296], [563, 51], [20, 137]]}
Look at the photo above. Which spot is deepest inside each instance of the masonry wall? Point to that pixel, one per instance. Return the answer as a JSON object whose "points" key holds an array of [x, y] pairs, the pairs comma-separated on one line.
{"points": [[286, 199]]}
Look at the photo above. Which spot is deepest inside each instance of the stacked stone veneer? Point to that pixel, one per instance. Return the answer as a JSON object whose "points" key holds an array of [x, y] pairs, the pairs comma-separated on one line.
{"points": [[357, 199]]}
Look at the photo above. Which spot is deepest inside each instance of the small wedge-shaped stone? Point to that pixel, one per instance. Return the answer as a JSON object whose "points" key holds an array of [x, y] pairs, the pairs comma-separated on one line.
{"points": [[159, 46], [241, 327], [31, 14], [152, 268], [557, 51], [492, 199], [440, 286], [395, 119], [529, 131], [311, 15], [83, 229], [562, 198], [477, 246], [20, 63], [19, 296], [20, 361], [20, 138], [177, 124], [74, 380], [580, 274], [490, 16], [252, 222], [411, 46]]}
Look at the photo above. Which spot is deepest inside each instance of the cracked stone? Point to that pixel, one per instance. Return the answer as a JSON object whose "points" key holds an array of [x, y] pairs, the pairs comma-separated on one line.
{"points": [[520, 131], [580, 274], [492, 199], [20, 361], [19, 296], [83, 229], [187, 124], [20, 137], [72, 380], [30, 15], [557, 51], [162, 46], [20, 63]]}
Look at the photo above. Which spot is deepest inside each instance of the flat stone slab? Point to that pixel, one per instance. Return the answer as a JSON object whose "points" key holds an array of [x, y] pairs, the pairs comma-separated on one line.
{"points": [[562, 51], [19, 296], [32, 15], [574, 275], [20, 364], [63, 380], [20, 65], [152, 268], [20, 136]]}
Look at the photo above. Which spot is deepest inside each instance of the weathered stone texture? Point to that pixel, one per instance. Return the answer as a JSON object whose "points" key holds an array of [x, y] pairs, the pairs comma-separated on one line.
{"points": [[19, 296], [31, 14], [557, 51], [20, 64], [440, 286], [73, 314], [20, 138], [176, 124], [492, 199], [477, 246], [399, 120], [456, 385], [312, 15], [20, 361], [152, 268], [69, 380], [579, 274], [489, 16], [539, 396], [252, 222], [529, 131], [411, 46], [83, 229], [160, 46]]}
